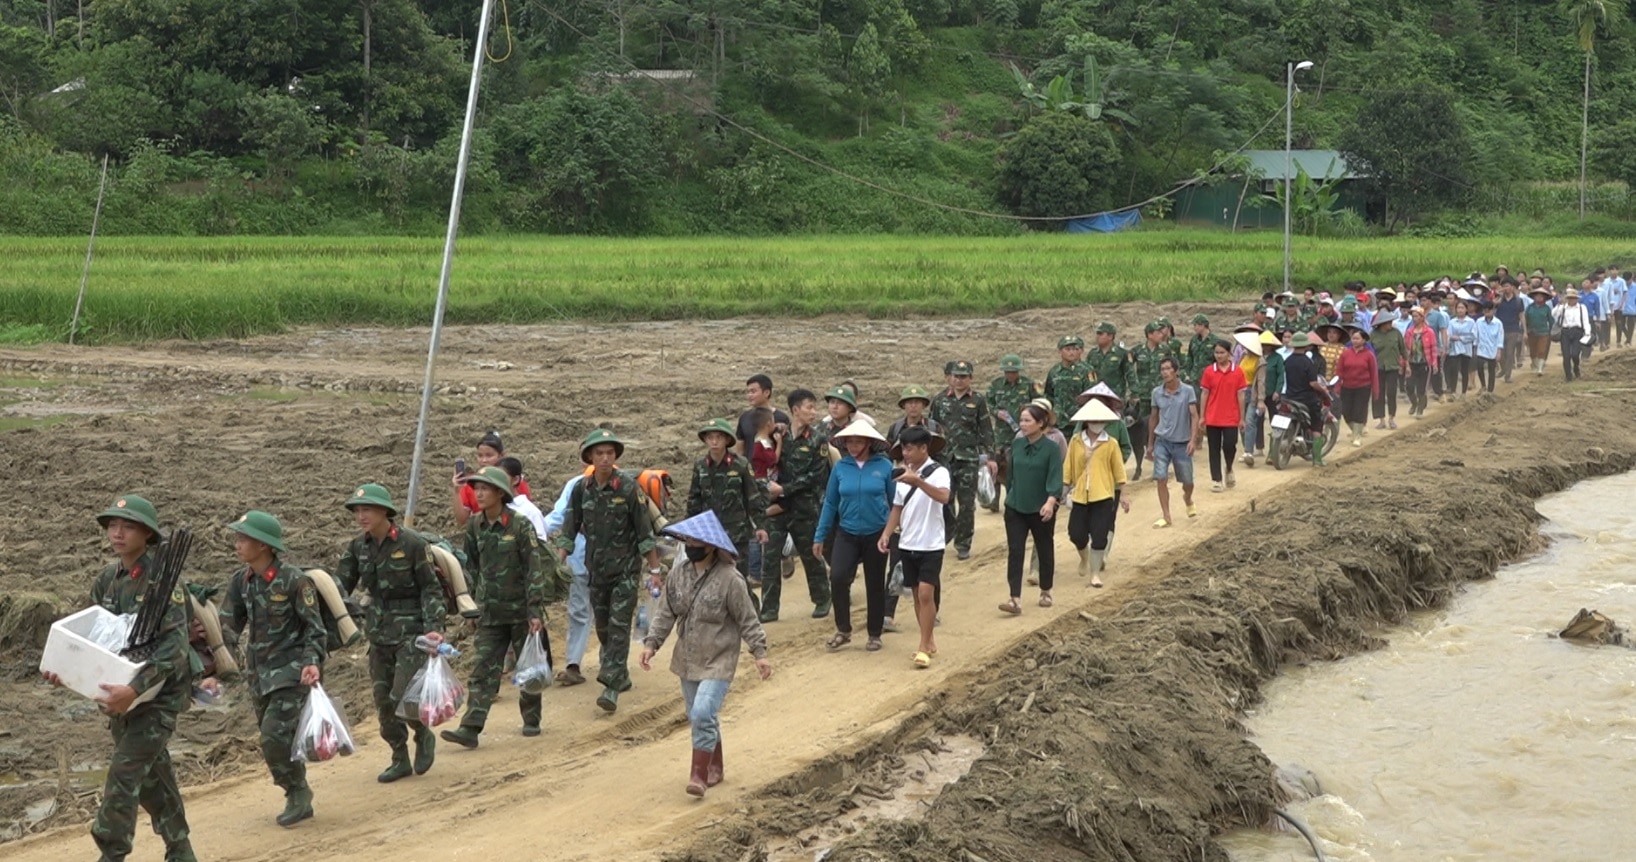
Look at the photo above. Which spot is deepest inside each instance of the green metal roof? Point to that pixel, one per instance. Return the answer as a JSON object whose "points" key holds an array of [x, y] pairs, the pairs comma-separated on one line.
{"points": [[1318, 164]]}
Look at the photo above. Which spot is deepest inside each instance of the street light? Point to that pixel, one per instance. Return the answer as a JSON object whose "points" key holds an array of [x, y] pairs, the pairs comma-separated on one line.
{"points": [[1289, 132]]}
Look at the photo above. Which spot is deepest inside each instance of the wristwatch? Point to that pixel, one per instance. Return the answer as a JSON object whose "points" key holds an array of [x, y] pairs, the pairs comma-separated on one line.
{"points": [[655, 570]]}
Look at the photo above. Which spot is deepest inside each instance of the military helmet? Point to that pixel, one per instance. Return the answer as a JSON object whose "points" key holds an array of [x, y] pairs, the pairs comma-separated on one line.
{"points": [[137, 510], [1070, 341], [914, 393], [1011, 362], [842, 394], [262, 527], [597, 438], [717, 426], [495, 477], [373, 495]]}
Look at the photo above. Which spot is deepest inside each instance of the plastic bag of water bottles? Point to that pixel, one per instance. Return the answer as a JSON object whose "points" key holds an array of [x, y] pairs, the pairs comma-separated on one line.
{"points": [[434, 695], [646, 611], [986, 491], [321, 734], [533, 674]]}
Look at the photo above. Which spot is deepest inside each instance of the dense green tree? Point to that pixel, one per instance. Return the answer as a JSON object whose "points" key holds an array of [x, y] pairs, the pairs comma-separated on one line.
{"points": [[1060, 164], [1413, 149]]}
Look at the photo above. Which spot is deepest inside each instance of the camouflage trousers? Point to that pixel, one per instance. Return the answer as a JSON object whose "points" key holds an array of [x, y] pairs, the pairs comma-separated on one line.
{"points": [[279, 714], [963, 475], [800, 522], [613, 609], [391, 667], [139, 773], [492, 641]]}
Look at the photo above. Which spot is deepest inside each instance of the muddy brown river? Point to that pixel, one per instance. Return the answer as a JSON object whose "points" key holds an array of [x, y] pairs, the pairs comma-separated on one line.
{"points": [[1476, 735]]}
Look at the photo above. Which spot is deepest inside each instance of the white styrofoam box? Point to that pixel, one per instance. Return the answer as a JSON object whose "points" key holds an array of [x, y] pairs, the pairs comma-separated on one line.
{"points": [[84, 666]]}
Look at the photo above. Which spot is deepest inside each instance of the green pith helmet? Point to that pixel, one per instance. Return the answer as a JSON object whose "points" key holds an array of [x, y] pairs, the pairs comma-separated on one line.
{"points": [[1106, 327], [1152, 327], [493, 476], [1349, 305], [1067, 341], [1011, 362], [717, 426], [960, 368], [262, 527], [842, 394], [597, 438], [137, 510], [1200, 320], [373, 495], [915, 393]]}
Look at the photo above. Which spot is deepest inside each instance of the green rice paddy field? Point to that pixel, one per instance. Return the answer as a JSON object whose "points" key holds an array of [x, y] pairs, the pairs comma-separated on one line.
{"points": [[162, 287]]}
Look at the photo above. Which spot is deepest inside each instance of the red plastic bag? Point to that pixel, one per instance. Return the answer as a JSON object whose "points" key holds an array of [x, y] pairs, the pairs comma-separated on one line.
{"points": [[434, 695], [321, 734]]}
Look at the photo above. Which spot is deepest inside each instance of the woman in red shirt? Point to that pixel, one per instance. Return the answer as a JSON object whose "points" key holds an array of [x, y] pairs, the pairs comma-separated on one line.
{"points": [[1221, 384], [1360, 381], [489, 452]]}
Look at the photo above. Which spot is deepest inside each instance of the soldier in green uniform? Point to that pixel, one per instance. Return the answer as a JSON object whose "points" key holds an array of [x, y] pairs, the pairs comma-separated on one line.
{"points": [[509, 582], [916, 403], [139, 772], [394, 566], [1200, 350], [278, 603], [1290, 319], [1145, 360], [1068, 377], [1006, 397], [1109, 362], [969, 429], [803, 476], [612, 511], [1172, 343], [725, 482]]}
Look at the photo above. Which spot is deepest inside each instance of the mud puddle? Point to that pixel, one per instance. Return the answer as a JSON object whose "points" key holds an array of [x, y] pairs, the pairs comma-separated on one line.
{"points": [[919, 780]]}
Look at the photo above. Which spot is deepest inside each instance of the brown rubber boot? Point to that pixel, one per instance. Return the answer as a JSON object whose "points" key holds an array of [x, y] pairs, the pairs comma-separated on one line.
{"points": [[696, 779], [712, 776]]}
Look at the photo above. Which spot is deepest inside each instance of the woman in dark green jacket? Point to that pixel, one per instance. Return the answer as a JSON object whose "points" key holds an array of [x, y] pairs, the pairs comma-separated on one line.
{"points": [[1392, 357]]}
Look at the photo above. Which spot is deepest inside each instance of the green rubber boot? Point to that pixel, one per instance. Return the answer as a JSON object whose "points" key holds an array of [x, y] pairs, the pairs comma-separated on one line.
{"points": [[463, 736], [297, 807], [182, 851], [400, 767], [1317, 453], [425, 750], [608, 700]]}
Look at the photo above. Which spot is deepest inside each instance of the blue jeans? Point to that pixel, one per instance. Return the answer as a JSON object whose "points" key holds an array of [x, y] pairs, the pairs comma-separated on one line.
{"points": [[703, 699], [1168, 454], [579, 617], [1252, 425]]}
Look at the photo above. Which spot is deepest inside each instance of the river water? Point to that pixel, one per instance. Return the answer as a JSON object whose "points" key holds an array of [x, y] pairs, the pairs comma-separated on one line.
{"points": [[1476, 735]]}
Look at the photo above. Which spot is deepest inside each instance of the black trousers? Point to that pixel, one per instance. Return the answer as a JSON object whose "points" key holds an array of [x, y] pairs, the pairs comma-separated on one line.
{"points": [[1419, 374], [1355, 404], [850, 550], [1090, 523], [1223, 445], [1019, 526], [1459, 368], [1487, 370], [1626, 326], [1386, 404], [895, 558], [1571, 351]]}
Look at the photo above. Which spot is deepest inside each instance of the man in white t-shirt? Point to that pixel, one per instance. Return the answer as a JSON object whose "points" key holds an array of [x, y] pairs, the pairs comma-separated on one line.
{"points": [[519, 501], [922, 490]]}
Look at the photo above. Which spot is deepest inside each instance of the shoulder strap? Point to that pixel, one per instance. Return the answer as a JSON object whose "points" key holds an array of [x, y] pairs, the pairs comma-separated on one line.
{"points": [[926, 472]]}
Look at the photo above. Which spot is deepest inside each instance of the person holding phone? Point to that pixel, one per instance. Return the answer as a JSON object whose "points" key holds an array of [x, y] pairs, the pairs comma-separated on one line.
{"points": [[489, 452]]}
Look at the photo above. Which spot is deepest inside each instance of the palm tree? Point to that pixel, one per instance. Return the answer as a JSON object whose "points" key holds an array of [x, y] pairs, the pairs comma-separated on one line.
{"points": [[1586, 15]]}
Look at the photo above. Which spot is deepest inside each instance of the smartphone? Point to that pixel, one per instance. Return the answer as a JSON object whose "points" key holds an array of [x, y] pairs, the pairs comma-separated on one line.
{"points": [[460, 466]]}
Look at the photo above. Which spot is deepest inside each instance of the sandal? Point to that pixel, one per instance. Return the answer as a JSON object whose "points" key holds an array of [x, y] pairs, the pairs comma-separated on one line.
{"points": [[923, 660], [840, 639], [873, 645], [1045, 600], [1161, 523], [1012, 608]]}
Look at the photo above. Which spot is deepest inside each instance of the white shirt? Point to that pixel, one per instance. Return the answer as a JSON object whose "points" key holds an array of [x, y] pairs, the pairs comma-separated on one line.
{"points": [[921, 525], [525, 507], [1572, 315]]}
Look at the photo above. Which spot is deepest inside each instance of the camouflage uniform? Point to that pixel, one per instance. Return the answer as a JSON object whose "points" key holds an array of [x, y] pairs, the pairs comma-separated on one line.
{"points": [[1009, 397], [280, 608], [618, 532], [1111, 366], [803, 472], [140, 770], [509, 583], [729, 488], [969, 429], [1201, 351], [406, 601], [1064, 383], [1145, 359]]}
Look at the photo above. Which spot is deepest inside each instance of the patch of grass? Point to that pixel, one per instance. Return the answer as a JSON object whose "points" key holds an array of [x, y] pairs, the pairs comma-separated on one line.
{"points": [[27, 333], [161, 287], [268, 393], [28, 383], [14, 423]]}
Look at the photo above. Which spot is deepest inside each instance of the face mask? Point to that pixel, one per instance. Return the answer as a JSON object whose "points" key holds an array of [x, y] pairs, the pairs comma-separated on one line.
{"points": [[1094, 428], [696, 553]]}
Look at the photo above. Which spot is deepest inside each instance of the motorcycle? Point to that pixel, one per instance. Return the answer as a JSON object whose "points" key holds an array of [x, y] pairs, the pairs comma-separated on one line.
{"points": [[1290, 433]]}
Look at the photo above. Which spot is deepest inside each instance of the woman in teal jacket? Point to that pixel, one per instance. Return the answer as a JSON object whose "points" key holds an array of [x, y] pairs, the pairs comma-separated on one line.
{"points": [[856, 505]]}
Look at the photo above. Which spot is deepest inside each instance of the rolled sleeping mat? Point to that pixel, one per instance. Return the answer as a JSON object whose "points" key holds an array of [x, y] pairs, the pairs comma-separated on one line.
{"points": [[448, 568], [207, 616], [657, 517], [331, 595]]}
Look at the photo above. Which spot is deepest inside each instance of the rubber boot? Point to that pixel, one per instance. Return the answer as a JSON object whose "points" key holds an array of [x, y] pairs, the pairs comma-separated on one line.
{"points": [[1105, 552], [425, 750], [181, 851], [1098, 560], [609, 700], [1085, 566], [463, 736], [399, 768], [1317, 453], [1357, 433], [712, 775], [698, 778], [297, 807]]}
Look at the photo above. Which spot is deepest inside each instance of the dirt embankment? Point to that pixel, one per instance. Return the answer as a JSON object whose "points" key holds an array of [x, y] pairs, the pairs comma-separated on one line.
{"points": [[1117, 737]]}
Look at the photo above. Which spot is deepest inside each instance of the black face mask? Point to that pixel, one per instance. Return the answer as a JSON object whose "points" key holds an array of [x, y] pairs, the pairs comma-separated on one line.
{"points": [[696, 553]]}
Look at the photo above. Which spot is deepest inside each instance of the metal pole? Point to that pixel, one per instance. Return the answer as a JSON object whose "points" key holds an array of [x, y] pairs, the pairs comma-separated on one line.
{"points": [[448, 258], [85, 272], [1289, 131]]}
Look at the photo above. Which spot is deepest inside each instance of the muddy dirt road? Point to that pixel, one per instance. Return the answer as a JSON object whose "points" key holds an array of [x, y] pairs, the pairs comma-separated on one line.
{"points": [[1068, 705]]}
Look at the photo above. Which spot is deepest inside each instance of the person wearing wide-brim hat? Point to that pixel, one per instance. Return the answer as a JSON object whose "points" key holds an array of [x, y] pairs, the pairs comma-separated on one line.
{"points": [[1391, 356], [612, 512], [1359, 379], [707, 604], [724, 482], [140, 767], [394, 566], [285, 652], [1572, 322], [857, 503], [1304, 384], [1264, 374], [1094, 472], [1331, 341], [917, 533], [1536, 328], [515, 578], [916, 402]]}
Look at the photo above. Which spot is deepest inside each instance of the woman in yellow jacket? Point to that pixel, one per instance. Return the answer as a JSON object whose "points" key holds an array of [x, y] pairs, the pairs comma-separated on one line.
{"points": [[1094, 469]]}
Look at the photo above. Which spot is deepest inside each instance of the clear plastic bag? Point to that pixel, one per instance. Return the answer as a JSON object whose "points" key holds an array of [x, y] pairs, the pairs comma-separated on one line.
{"points": [[533, 673], [985, 486], [894, 582], [322, 733], [112, 632], [434, 695]]}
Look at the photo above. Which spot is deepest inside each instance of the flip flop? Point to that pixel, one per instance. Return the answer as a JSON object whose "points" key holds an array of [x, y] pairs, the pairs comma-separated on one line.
{"points": [[1192, 511], [923, 660], [1160, 524]]}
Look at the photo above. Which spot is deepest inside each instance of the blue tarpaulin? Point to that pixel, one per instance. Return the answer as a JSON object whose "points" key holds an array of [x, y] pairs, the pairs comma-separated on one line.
{"points": [[1106, 222]]}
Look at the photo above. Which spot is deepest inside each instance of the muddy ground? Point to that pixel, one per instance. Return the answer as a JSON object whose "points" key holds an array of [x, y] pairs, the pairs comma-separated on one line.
{"points": [[1109, 724]]}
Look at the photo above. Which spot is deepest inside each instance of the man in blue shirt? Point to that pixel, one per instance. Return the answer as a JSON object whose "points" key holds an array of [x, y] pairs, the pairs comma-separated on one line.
{"points": [[1627, 311], [1590, 296], [1438, 320], [579, 592], [1509, 312]]}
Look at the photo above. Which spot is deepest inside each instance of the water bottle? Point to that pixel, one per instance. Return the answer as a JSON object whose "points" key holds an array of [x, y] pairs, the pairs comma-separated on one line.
{"points": [[441, 649]]}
